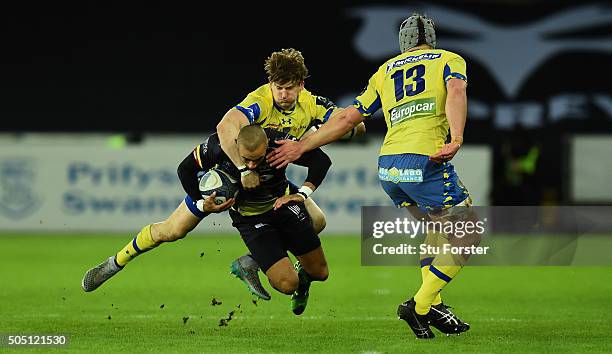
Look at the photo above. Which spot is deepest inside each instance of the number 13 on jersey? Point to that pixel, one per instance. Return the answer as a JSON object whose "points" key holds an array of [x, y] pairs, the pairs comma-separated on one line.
{"points": [[414, 77]]}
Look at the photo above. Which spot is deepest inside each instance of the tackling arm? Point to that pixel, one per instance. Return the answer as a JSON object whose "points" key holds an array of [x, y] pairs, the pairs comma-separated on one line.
{"points": [[335, 128], [228, 129], [338, 125], [358, 130]]}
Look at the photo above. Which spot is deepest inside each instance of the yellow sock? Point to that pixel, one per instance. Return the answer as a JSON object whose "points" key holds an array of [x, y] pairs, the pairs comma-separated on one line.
{"points": [[140, 244], [442, 270], [424, 274], [432, 239]]}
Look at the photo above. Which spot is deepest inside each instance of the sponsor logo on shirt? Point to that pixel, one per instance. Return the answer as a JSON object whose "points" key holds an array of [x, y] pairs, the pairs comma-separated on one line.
{"points": [[412, 109], [412, 59]]}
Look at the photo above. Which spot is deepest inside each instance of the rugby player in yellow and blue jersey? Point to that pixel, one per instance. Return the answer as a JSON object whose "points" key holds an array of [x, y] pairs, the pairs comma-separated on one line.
{"points": [[422, 93]]}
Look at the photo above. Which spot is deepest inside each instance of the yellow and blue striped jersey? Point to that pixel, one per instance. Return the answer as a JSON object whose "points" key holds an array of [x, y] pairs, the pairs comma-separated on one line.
{"points": [[260, 109], [411, 90]]}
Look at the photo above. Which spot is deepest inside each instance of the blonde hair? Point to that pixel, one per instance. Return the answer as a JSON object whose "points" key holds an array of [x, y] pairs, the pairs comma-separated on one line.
{"points": [[286, 66]]}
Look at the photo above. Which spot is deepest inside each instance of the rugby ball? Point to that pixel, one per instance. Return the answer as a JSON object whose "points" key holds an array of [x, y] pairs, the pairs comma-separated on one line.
{"points": [[216, 180]]}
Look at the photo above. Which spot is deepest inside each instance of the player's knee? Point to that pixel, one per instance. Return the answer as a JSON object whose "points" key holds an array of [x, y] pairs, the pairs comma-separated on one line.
{"points": [[318, 222], [178, 233], [286, 284], [474, 238], [463, 213], [172, 233], [317, 271], [316, 215]]}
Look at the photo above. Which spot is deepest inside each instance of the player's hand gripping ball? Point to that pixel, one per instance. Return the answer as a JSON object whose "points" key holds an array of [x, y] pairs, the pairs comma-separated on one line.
{"points": [[216, 180]]}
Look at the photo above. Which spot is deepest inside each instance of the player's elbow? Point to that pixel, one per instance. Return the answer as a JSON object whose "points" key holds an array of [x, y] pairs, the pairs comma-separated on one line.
{"points": [[456, 87], [318, 222], [186, 168], [222, 127], [180, 172], [352, 118], [456, 93], [325, 163], [230, 124]]}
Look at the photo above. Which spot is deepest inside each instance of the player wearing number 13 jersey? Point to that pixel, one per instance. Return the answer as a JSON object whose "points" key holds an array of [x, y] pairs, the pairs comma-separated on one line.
{"points": [[411, 90]]}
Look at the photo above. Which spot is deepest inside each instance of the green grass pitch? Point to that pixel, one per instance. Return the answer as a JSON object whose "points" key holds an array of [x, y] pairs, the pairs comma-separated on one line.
{"points": [[162, 302]]}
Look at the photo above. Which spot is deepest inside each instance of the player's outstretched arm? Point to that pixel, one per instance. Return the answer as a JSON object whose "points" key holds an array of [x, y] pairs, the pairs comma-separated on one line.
{"points": [[359, 130], [228, 129], [337, 126], [456, 113]]}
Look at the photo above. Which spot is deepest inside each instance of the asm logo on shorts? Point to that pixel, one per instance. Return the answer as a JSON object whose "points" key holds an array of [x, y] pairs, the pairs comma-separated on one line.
{"points": [[413, 109], [405, 175]]}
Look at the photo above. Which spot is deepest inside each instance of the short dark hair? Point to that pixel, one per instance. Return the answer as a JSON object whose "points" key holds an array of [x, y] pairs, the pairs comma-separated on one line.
{"points": [[251, 137]]}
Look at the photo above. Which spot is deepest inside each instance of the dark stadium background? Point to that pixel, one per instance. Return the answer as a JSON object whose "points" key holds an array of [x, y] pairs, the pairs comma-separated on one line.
{"points": [[168, 67]]}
